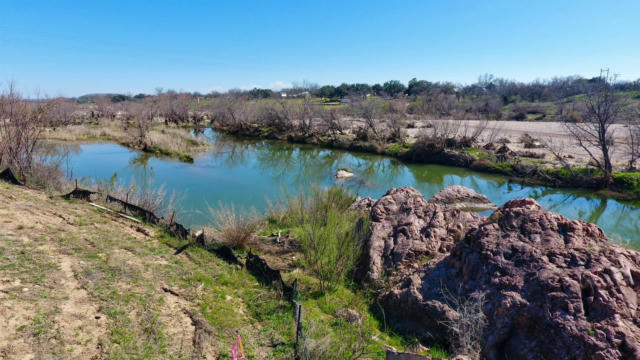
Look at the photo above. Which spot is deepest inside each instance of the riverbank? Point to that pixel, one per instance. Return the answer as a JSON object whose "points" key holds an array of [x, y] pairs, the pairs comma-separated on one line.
{"points": [[79, 281], [162, 140], [495, 158]]}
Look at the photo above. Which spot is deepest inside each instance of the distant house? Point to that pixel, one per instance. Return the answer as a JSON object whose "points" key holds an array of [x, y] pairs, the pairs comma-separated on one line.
{"points": [[283, 94]]}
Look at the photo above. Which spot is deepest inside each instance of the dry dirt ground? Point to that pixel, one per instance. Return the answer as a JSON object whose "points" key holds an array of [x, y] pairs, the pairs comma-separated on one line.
{"points": [[553, 134], [78, 283]]}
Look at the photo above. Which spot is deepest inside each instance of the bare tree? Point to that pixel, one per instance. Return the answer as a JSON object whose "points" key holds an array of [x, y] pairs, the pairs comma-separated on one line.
{"points": [[174, 107], [603, 107], [332, 121], [368, 110], [633, 139], [307, 113], [556, 147], [493, 132], [20, 127], [105, 108], [397, 125], [60, 112], [143, 115]]}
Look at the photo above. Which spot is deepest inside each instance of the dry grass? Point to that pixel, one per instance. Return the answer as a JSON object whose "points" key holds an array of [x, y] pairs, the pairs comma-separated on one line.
{"points": [[161, 139], [236, 228], [107, 130], [468, 327], [176, 141]]}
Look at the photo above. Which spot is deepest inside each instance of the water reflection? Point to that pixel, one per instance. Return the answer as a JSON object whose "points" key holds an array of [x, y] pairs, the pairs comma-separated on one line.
{"points": [[248, 172]]}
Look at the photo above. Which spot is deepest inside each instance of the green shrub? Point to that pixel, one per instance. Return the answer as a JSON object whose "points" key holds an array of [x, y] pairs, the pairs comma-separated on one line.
{"points": [[629, 181], [328, 231], [331, 245], [297, 210], [395, 149]]}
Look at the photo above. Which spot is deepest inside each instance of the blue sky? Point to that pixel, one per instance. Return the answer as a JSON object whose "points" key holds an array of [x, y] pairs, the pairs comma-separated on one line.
{"points": [[76, 47]]}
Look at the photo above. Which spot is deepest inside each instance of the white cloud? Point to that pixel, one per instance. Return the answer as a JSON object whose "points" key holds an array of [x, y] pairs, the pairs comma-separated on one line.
{"points": [[279, 85]]}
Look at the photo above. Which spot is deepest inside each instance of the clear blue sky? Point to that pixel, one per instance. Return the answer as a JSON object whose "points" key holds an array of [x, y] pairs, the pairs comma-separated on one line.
{"points": [[76, 47]]}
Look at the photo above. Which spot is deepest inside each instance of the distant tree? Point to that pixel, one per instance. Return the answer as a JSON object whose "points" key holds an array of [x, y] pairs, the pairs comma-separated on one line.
{"points": [[119, 98], [326, 91], [377, 89], [418, 87], [343, 90], [360, 89], [140, 96], [393, 88], [257, 93]]}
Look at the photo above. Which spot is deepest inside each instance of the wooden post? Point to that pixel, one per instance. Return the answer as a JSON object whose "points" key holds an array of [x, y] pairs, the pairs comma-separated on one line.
{"points": [[76, 184], [298, 313], [294, 291]]}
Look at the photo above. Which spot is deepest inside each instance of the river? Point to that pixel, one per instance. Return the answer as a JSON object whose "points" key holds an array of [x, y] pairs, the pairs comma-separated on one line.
{"points": [[254, 173]]}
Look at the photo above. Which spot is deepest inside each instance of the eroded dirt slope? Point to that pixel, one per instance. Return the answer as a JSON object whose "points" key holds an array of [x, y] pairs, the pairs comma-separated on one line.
{"points": [[78, 283]]}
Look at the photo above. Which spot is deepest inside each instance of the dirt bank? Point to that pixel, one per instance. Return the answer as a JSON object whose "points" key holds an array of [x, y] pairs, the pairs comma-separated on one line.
{"points": [[79, 283]]}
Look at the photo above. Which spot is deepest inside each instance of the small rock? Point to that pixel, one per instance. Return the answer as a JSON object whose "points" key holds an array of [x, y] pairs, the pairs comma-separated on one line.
{"points": [[343, 174], [199, 237]]}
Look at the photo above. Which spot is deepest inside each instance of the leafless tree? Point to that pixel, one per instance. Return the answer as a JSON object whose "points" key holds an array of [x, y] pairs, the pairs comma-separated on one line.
{"points": [[105, 108], [60, 112], [276, 115], [332, 121], [143, 115], [469, 134], [307, 113], [603, 107], [369, 110], [20, 127], [557, 147], [442, 132], [633, 138], [174, 107], [493, 131], [397, 125]]}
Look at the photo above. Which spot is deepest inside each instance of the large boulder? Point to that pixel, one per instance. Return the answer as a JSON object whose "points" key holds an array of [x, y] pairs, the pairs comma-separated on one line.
{"points": [[407, 230], [463, 198], [554, 288]]}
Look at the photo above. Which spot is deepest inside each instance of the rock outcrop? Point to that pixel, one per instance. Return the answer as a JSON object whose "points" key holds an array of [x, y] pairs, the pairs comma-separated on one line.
{"points": [[554, 288], [407, 230], [463, 198], [363, 204]]}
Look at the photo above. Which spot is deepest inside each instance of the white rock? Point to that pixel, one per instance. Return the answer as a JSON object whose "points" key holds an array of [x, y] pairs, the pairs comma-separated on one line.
{"points": [[343, 174]]}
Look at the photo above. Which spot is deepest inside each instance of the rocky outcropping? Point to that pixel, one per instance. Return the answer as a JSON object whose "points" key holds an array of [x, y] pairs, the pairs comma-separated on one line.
{"points": [[554, 288], [407, 230], [463, 198], [363, 204]]}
